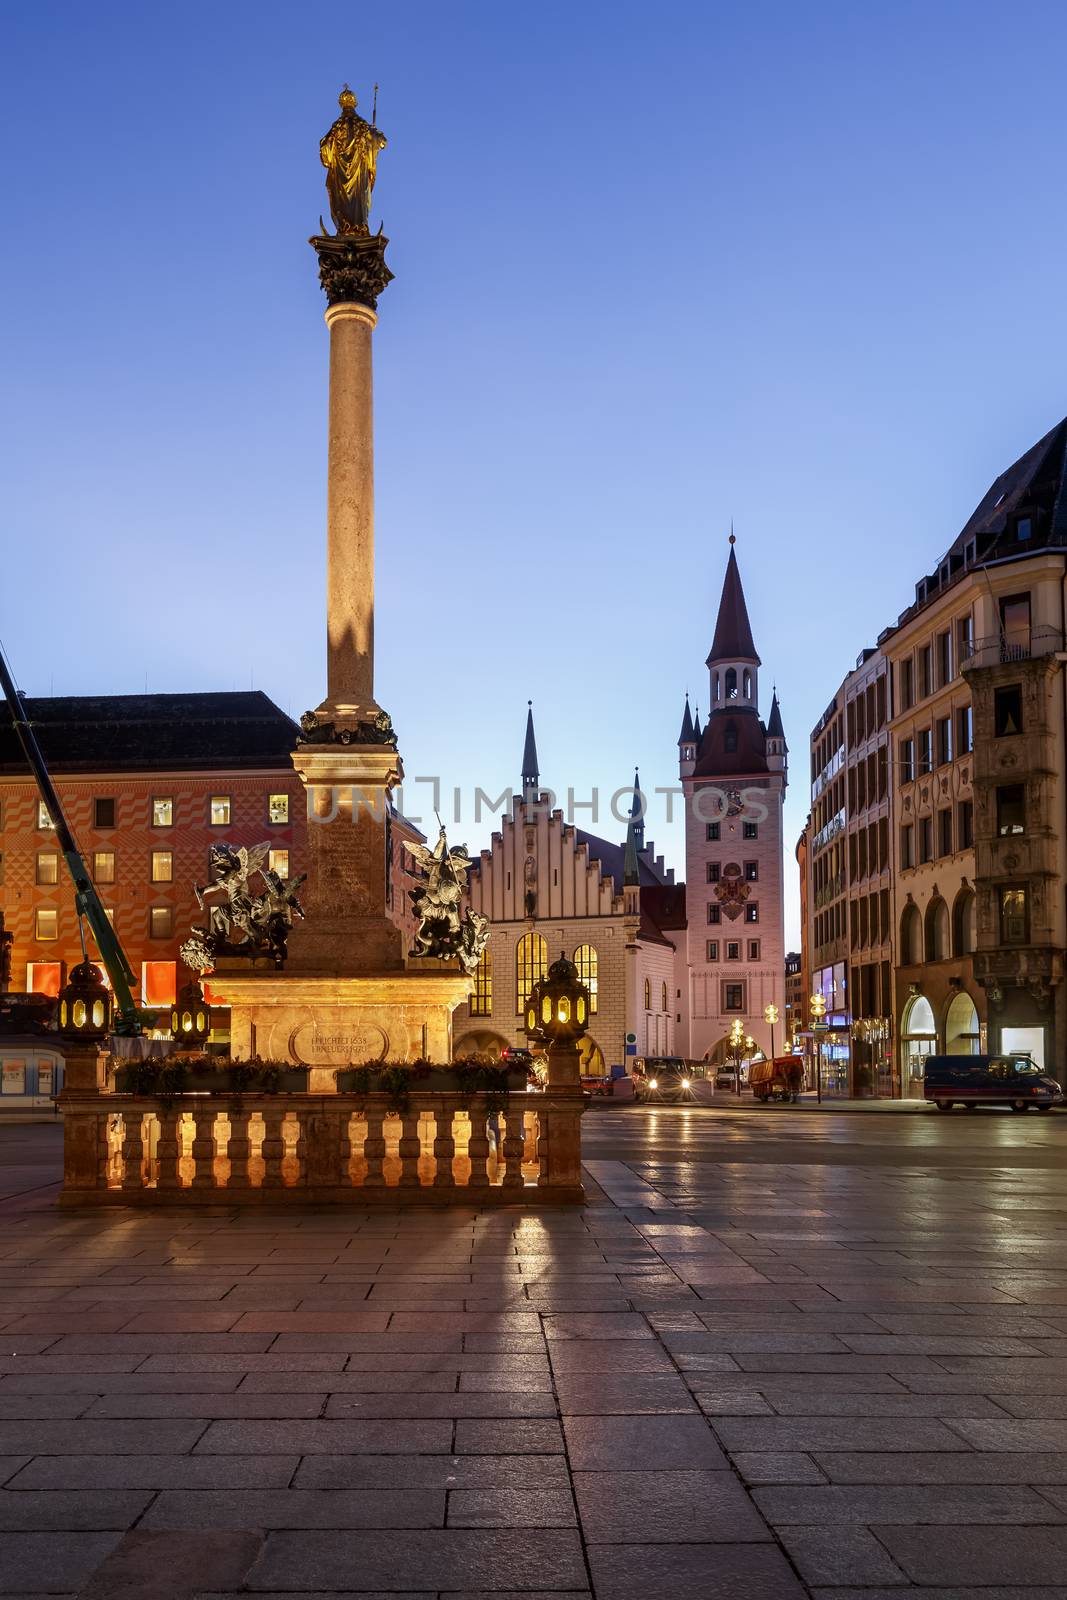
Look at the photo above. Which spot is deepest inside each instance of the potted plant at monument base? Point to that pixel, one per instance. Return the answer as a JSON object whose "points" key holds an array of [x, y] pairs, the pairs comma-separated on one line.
{"points": [[168, 1077], [399, 1079]]}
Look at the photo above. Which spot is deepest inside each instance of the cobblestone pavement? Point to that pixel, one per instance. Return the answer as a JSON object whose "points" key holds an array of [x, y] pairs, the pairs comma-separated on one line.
{"points": [[774, 1357]]}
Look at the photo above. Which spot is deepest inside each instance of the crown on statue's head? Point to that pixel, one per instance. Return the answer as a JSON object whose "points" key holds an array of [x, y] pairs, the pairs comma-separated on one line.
{"points": [[346, 99]]}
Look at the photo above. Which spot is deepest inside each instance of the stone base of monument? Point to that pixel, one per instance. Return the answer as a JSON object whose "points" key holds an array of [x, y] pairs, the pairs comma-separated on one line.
{"points": [[330, 1022]]}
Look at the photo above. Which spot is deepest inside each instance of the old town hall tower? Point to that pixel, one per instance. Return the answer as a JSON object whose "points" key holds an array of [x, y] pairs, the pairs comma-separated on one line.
{"points": [[734, 774]]}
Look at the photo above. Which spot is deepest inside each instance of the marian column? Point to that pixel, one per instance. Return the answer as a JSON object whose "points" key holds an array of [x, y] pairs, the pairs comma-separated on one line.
{"points": [[347, 756]]}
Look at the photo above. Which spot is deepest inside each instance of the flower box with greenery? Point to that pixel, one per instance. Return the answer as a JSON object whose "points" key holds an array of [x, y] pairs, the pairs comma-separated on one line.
{"points": [[168, 1077], [400, 1079]]}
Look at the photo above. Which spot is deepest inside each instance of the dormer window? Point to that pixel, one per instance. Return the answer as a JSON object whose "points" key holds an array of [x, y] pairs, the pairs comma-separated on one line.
{"points": [[1024, 528]]}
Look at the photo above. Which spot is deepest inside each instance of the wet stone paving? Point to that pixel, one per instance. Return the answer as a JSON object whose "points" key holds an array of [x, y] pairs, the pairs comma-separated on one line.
{"points": [[776, 1355]]}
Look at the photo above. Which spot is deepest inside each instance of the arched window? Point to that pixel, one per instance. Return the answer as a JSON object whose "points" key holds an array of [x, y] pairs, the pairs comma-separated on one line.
{"points": [[587, 961], [730, 683], [748, 684], [531, 964], [481, 1003], [962, 1029], [910, 930], [715, 688], [648, 994], [664, 1006], [936, 930], [963, 923]]}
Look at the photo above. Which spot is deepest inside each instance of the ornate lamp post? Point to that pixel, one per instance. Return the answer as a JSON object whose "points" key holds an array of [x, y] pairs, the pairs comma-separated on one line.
{"points": [[770, 1016], [190, 1017], [557, 1015], [817, 1004], [85, 1006]]}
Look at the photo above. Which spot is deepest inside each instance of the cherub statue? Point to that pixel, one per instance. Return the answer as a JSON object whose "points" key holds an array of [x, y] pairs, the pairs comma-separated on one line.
{"points": [[243, 923], [436, 901]]}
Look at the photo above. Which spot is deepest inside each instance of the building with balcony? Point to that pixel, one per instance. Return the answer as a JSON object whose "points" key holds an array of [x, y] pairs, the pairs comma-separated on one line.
{"points": [[979, 732]]}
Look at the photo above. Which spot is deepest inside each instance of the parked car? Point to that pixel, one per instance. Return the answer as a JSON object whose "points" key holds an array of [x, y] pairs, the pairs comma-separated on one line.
{"points": [[725, 1078], [662, 1079], [969, 1081]]}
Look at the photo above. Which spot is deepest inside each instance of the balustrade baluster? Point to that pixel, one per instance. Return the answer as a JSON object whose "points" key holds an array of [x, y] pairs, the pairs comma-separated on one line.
{"points": [[543, 1147], [132, 1149], [168, 1148], [478, 1147], [374, 1149], [239, 1147], [408, 1149], [204, 1147], [300, 1148], [444, 1145], [273, 1147], [513, 1146]]}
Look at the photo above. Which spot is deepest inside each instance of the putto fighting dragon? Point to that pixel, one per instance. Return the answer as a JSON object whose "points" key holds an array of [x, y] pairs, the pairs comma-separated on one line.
{"points": [[242, 923]]}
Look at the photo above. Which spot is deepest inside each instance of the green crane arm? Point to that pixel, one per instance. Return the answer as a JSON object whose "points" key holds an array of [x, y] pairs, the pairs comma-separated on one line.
{"points": [[130, 1019]]}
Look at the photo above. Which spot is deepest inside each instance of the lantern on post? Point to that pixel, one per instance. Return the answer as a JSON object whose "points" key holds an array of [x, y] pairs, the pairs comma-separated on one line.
{"points": [[770, 1017], [190, 1016], [817, 1004], [557, 1015], [85, 1005]]}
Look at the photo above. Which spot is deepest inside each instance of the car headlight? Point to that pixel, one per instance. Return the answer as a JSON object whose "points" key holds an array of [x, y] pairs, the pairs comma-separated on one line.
{"points": [[653, 1083], [685, 1083]]}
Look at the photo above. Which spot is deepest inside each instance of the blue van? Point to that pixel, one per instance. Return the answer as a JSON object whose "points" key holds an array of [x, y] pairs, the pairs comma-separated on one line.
{"points": [[1014, 1080]]}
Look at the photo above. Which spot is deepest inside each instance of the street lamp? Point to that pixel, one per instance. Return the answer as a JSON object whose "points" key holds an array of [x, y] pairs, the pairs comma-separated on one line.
{"points": [[737, 1045], [770, 1016], [817, 1004]]}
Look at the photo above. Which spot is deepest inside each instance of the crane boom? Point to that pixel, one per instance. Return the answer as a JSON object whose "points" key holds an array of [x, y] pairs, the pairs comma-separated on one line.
{"points": [[130, 1019]]}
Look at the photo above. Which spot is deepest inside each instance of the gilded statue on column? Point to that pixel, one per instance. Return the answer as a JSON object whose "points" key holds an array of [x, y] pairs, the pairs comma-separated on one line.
{"points": [[349, 152]]}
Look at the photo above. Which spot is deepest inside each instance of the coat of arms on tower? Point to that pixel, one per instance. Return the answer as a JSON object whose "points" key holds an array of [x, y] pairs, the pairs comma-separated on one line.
{"points": [[732, 891]]}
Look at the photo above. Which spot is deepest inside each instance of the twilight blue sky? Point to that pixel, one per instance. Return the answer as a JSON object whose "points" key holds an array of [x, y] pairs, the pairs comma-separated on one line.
{"points": [[657, 267]]}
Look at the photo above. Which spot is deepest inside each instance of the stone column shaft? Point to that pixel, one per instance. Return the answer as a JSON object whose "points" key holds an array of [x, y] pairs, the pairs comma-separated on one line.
{"points": [[350, 516]]}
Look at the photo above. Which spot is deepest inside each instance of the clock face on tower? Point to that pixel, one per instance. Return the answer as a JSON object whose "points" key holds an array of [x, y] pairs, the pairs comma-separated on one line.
{"points": [[734, 803]]}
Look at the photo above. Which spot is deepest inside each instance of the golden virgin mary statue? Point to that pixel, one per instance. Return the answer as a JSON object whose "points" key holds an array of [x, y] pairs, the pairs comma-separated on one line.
{"points": [[349, 153]]}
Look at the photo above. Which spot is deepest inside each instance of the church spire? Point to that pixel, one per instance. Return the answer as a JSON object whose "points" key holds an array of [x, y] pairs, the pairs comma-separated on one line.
{"points": [[637, 814], [686, 735], [531, 777], [733, 631], [775, 729], [631, 869]]}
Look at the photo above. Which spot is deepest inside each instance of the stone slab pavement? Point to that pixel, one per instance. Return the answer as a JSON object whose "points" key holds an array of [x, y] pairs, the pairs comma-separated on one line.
{"points": [[825, 1357]]}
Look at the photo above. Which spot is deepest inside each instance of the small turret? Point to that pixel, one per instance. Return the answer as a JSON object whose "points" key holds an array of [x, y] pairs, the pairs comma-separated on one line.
{"points": [[687, 742], [637, 814], [777, 749], [531, 777]]}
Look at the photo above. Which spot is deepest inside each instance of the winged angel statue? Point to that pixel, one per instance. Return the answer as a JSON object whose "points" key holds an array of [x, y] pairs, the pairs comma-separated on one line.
{"points": [[242, 923], [442, 931]]}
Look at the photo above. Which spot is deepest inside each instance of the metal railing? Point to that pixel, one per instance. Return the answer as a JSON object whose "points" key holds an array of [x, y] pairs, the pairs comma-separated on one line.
{"points": [[1023, 645]]}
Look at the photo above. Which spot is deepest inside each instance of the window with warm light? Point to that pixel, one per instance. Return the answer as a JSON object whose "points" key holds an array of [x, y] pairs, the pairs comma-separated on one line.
{"points": [[220, 810], [161, 922], [278, 861], [588, 963], [1014, 916], [278, 808], [162, 866], [47, 866], [531, 964], [44, 821], [46, 923], [162, 811], [481, 1001], [104, 866]]}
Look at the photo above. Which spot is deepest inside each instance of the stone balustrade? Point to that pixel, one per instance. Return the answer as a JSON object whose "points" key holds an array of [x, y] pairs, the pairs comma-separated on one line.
{"points": [[122, 1149]]}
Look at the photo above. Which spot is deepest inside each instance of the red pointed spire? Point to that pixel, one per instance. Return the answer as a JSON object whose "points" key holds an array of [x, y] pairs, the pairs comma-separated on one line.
{"points": [[733, 632]]}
